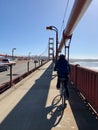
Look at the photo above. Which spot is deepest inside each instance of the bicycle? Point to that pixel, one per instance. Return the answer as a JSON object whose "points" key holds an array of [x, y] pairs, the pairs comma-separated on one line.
{"points": [[63, 93]]}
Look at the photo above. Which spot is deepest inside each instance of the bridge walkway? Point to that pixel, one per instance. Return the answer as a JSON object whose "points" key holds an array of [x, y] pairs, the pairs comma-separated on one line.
{"points": [[30, 105]]}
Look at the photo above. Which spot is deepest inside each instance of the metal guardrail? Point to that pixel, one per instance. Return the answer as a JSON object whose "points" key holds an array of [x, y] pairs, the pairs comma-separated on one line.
{"points": [[7, 85], [86, 81]]}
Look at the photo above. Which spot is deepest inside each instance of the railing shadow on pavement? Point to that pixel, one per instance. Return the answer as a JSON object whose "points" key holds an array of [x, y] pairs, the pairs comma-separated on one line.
{"points": [[82, 113], [31, 113]]}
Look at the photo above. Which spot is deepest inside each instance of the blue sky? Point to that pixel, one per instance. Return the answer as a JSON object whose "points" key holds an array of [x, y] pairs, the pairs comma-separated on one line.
{"points": [[23, 26]]}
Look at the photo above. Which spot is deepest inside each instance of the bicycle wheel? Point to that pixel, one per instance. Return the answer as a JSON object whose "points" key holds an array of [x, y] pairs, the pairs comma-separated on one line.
{"points": [[56, 100]]}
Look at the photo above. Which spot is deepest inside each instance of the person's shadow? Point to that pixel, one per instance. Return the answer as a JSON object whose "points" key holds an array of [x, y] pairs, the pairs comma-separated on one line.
{"points": [[31, 112], [51, 115]]}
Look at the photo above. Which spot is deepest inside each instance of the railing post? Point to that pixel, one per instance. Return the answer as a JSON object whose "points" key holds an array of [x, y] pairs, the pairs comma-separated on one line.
{"points": [[39, 62], [35, 65], [75, 76], [10, 75], [28, 66]]}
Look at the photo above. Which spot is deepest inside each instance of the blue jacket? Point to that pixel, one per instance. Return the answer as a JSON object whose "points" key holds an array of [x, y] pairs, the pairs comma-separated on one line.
{"points": [[62, 67]]}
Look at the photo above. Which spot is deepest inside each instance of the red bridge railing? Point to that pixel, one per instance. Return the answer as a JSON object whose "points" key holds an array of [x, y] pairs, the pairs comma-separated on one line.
{"points": [[86, 81]]}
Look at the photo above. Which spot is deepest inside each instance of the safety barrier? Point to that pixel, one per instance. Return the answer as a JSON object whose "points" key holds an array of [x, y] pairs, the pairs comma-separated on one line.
{"points": [[7, 85], [86, 81]]}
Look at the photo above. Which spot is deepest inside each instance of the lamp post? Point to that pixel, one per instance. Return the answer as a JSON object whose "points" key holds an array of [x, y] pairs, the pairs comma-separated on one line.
{"points": [[56, 30], [29, 55], [13, 53]]}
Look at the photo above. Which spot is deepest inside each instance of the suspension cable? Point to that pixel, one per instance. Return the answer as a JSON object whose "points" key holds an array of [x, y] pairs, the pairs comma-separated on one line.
{"points": [[65, 12], [42, 54]]}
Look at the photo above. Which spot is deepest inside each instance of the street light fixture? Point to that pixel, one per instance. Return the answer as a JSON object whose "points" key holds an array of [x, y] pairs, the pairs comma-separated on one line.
{"points": [[13, 53], [29, 55], [56, 30]]}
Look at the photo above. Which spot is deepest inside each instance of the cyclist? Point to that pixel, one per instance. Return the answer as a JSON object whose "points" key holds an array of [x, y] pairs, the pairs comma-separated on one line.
{"points": [[63, 69]]}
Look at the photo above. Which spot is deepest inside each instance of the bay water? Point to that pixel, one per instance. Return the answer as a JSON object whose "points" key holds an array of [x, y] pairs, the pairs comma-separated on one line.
{"points": [[91, 64]]}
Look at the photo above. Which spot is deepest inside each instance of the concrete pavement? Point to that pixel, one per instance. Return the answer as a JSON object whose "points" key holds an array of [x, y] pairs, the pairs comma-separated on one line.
{"points": [[30, 105]]}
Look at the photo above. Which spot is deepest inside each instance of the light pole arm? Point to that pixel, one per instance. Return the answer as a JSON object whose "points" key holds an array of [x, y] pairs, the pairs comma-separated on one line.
{"points": [[13, 52]]}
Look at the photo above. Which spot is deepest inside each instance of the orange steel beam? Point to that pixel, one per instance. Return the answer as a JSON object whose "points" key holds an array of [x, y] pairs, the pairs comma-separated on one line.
{"points": [[77, 12]]}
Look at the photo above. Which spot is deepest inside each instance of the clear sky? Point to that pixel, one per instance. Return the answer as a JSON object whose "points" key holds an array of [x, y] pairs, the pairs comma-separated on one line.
{"points": [[23, 26]]}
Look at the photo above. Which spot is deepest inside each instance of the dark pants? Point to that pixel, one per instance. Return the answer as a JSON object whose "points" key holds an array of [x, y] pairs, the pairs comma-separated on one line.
{"points": [[65, 84]]}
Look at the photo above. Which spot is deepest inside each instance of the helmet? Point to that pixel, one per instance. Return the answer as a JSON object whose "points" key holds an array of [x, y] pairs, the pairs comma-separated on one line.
{"points": [[62, 56]]}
